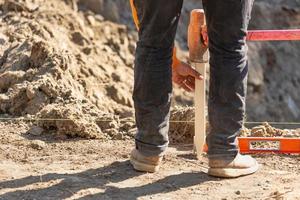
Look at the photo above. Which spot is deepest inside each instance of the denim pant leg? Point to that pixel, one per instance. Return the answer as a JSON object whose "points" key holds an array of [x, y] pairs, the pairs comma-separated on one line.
{"points": [[227, 22], [158, 20]]}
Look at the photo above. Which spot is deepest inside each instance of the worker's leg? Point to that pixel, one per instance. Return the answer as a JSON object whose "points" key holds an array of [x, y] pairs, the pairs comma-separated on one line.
{"points": [[227, 22], [157, 22]]}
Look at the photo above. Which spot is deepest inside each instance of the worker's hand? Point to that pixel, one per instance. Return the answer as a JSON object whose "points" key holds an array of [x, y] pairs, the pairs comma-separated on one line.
{"points": [[184, 75]]}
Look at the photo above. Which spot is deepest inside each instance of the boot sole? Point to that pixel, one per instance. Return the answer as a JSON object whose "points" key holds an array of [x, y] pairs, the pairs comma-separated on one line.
{"points": [[142, 167], [232, 172]]}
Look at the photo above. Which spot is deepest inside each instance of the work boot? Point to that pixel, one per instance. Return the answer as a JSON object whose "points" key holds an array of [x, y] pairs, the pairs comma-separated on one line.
{"points": [[145, 163], [241, 165]]}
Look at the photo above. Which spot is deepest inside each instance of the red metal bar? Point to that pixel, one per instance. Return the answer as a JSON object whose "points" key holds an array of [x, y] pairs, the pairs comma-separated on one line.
{"points": [[273, 35]]}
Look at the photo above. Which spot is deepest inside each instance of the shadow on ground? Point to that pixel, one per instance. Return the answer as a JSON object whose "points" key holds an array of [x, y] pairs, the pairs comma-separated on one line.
{"points": [[102, 178]]}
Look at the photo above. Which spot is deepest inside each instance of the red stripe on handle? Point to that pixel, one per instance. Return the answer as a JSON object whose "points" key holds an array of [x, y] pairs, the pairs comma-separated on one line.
{"points": [[273, 35]]}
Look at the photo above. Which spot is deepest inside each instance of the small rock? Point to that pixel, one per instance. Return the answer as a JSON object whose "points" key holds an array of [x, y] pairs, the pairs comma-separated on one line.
{"points": [[3, 39], [36, 131], [37, 144], [30, 93], [113, 125], [119, 136], [99, 18], [238, 192], [78, 38], [259, 131], [39, 53], [90, 32], [125, 156], [91, 20], [116, 77], [87, 50]]}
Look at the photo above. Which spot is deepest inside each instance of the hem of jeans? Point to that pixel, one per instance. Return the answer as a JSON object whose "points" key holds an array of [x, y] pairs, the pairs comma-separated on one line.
{"points": [[223, 155], [149, 149]]}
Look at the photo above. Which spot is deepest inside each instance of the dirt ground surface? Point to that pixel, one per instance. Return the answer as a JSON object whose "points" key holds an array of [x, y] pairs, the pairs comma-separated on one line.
{"points": [[67, 117], [34, 167]]}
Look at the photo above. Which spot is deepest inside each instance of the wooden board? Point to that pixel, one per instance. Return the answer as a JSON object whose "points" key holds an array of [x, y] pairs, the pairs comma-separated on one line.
{"points": [[200, 114]]}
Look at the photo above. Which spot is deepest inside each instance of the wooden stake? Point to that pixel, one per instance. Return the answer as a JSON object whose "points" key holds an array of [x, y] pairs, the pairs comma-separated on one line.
{"points": [[199, 58], [200, 105]]}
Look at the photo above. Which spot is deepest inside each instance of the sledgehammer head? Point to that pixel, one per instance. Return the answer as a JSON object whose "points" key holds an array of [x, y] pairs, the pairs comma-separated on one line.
{"points": [[197, 37]]}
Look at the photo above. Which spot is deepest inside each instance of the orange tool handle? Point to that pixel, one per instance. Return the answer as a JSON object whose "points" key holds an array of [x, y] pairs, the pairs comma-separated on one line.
{"points": [[285, 145]]}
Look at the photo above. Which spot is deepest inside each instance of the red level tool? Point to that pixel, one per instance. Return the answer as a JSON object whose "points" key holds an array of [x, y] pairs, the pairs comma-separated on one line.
{"points": [[252, 145], [267, 144], [273, 35]]}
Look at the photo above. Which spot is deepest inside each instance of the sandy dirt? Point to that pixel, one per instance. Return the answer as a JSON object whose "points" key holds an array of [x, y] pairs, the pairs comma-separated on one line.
{"points": [[35, 167], [67, 118]]}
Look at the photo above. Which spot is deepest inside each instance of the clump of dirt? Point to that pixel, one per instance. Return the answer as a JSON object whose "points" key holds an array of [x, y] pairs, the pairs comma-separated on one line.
{"points": [[266, 130], [84, 121], [71, 120], [182, 125]]}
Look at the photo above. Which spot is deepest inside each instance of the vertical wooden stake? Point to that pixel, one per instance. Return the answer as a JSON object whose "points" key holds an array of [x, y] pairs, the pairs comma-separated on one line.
{"points": [[200, 115], [199, 58]]}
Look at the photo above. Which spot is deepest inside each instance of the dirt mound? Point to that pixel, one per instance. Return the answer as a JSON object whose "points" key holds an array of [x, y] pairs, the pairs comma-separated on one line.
{"points": [[69, 65], [266, 130]]}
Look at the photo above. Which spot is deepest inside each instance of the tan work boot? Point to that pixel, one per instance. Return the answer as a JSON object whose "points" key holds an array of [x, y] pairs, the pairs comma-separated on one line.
{"points": [[240, 166], [144, 163]]}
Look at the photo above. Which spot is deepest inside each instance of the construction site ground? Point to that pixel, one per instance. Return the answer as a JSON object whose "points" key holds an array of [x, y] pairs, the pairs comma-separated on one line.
{"points": [[35, 167], [67, 114]]}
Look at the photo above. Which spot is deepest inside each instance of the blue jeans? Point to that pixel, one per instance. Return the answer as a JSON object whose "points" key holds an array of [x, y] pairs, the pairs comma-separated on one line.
{"points": [[227, 22]]}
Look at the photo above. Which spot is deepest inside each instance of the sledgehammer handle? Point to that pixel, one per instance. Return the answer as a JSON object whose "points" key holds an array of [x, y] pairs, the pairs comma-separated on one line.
{"points": [[199, 58]]}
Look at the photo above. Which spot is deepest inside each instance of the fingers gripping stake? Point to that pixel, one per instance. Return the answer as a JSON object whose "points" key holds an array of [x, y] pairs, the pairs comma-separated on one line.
{"points": [[199, 58]]}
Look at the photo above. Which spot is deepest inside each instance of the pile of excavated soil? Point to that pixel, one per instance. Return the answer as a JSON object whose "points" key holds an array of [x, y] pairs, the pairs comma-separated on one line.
{"points": [[71, 70], [266, 130]]}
